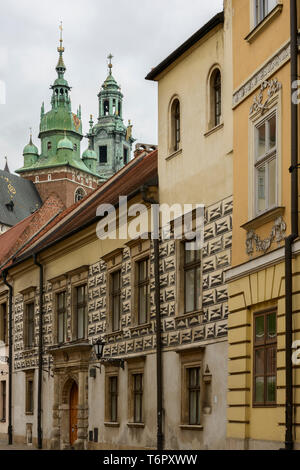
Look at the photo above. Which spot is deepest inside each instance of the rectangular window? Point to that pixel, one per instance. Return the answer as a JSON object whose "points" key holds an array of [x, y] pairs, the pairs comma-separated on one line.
{"points": [[3, 400], [266, 164], [113, 399], [143, 290], [29, 394], [192, 266], [29, 325], [194, 395], [125, 156], [103, 154], [61, 317], [265, 350], [116, 299], [262, 8], [81, 317], [3, 322], [137, 398]]}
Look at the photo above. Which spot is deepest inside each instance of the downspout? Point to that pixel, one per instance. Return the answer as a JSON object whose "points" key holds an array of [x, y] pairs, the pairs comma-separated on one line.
{"points": [[40, 359], [10, 358], [159, 381], [289, 442]]}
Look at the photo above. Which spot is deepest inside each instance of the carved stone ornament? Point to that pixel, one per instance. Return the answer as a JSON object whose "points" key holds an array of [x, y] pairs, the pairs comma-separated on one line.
{"points": [[273, 86], [277, 234]]}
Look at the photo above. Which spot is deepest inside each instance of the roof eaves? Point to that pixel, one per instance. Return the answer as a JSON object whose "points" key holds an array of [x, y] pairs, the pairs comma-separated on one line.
{"points": [[211, 24]]}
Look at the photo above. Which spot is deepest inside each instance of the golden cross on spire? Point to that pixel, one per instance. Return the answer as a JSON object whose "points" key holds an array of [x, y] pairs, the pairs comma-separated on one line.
{"points": [[61, 48], [110, 56]]}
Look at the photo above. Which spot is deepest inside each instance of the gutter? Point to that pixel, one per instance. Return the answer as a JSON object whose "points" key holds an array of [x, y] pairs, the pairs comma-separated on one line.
{"points": [[289, 241], [159, 374], [40, 353], [10, 357]]}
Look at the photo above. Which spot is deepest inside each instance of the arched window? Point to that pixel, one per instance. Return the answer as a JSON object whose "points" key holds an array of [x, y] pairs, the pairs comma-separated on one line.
{"points": [[75, 147], [175, 125], [106, 108], [79, 194], [215, 98], [49, 145]]}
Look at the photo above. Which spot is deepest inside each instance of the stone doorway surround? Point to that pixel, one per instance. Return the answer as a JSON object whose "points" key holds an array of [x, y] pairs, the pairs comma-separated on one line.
{"points": [[70, 364]]}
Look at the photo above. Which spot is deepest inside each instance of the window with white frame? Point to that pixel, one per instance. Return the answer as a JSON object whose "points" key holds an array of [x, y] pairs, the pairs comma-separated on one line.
{"points": [[266, 163], [262, 8]]}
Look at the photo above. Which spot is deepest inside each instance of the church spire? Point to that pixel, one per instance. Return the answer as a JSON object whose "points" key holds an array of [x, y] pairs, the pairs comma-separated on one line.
{"points": [[6, 165], [61, 68]]}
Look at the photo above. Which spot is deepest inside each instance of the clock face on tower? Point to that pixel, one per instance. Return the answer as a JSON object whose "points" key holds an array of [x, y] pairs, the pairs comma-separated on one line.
{"points": [[11, 190]]}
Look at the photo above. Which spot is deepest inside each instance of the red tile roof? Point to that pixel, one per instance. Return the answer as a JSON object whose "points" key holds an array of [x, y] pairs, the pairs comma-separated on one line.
{"points": [[13, 241], [130, 178]]}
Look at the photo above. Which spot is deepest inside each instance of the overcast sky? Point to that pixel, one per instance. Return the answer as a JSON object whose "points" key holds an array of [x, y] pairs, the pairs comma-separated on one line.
{"points": [[139, 34]]}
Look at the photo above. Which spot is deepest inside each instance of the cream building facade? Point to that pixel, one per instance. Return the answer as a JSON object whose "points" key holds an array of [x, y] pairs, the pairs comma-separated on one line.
{"points": [[71, 289], [259, 313]]}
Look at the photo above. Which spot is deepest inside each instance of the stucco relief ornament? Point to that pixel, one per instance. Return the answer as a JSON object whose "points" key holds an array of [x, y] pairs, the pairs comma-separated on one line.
{"points": [[277, 234], [273, 86]]}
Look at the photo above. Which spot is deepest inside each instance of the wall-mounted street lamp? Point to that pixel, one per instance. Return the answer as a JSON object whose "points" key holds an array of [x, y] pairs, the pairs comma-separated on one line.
{"points": [[98, 350]]}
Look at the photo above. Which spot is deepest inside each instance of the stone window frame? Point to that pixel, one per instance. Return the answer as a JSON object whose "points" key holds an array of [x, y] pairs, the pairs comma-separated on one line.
{"points": [[174, 144], [189, 359], [255, 119], [180, 284], [59, 284], [29, 297], [4, 301], [264, 345], [113, 261], [140, 249], [29, 377], [211, 110], [135, 365], [111, 371], [78, 278]]}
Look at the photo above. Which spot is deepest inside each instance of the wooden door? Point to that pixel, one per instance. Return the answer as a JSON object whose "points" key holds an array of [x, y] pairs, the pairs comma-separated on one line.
{"points": [[73, 413]]}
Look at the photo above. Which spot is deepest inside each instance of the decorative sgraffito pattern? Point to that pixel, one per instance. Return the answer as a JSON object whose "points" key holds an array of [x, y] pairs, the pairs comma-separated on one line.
{"points": [[207, 325], [216, 257]]}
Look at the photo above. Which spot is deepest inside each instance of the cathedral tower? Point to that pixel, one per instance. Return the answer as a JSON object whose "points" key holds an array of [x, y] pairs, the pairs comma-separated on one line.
{"points": [[110, 138], [59, 167]]}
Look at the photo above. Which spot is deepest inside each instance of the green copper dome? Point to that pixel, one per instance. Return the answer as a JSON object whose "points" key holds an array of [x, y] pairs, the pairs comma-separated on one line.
{"points": [[89, 153], [30, 148], [65, 143]]}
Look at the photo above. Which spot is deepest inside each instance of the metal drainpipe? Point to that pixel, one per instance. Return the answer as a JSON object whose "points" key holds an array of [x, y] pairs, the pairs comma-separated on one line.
{"points": [[289, 442], [40, 362], [160, 435], [10, 358]]}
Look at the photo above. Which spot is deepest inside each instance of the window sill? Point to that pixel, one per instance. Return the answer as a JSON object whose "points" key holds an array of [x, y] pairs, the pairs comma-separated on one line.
{"points": [[30, 349], [174, 154], [140, 327], [29, 413], [265, 406], [214, 129], [136, 425], [261, 26], [111, 424], [191, 427], [2, 420], [183, 316], [263, 218]]}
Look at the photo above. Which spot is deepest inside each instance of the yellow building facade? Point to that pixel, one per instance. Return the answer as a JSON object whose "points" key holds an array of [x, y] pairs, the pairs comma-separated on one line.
{"points": [[261, 222]]}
